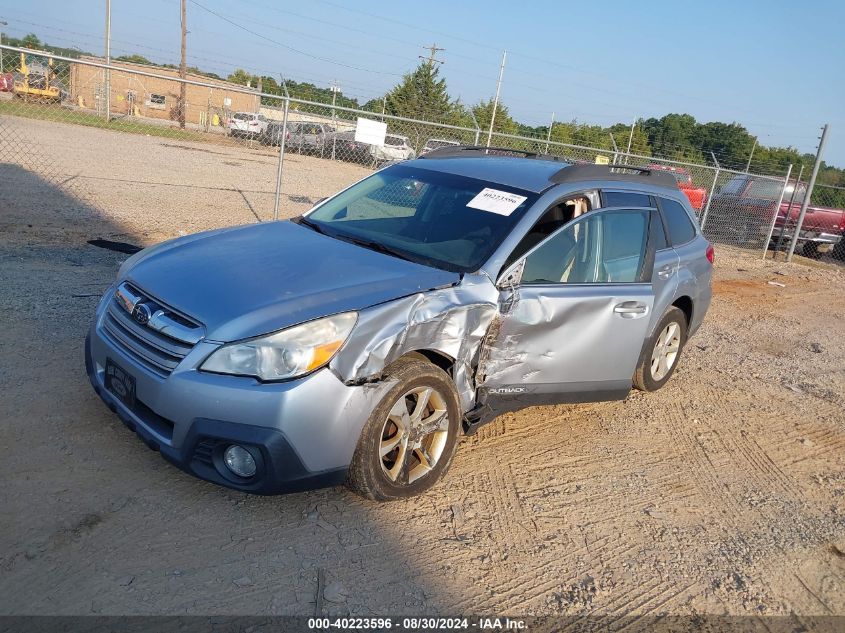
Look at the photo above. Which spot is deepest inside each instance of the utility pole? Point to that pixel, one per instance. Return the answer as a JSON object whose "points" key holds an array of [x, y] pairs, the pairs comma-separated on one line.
{"points": [[107, 72], [753, 147], [630, 141], [496, 100], [433, 50], [2, 23], [335, 88], [183, 69], [810, 185]]}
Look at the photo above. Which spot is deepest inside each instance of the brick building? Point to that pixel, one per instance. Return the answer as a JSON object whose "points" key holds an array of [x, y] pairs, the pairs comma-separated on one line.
{"points": [[139, 95]]}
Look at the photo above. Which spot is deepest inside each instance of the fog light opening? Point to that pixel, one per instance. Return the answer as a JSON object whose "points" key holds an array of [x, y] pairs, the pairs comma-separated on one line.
{"points": [[240, 461]]}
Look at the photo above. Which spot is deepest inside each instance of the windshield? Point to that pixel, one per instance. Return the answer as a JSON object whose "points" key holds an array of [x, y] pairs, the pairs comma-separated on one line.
{"points": [[424, 216], [766, 189]]}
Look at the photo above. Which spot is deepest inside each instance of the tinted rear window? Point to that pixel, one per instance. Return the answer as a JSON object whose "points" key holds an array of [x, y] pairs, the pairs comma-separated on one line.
{"points": [[681, 229], [766, 189]]}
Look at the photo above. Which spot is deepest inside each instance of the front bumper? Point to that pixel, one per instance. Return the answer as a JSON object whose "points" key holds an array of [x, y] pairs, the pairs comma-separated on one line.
{"points": [[302, 432]]}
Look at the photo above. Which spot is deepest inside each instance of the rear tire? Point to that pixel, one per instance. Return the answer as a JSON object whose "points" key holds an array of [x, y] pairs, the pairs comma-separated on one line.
{"points": [[810, 250], [661, 351], [410, 438]]}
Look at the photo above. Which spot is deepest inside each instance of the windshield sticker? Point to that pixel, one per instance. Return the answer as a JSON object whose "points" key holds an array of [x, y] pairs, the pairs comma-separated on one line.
{"points": [[496, 201]]}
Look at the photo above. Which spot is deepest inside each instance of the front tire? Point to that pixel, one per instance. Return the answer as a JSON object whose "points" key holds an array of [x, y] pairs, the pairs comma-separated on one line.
{"points": [[661, 352], [410, 438]]}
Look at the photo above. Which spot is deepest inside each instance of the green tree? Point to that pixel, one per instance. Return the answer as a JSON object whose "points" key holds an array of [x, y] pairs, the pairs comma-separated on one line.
{"points": [[134, 59], [31, 41], [242, 77], [504, 124], [730, 142], [421, 95], [639, 141]]}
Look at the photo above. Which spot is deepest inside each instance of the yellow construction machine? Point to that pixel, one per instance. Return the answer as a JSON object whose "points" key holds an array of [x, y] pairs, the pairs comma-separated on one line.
{"points": [[37, 81]]}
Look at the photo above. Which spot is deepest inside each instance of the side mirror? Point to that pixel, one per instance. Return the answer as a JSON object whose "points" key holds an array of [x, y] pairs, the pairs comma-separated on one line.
{"points": [[512, 276]]}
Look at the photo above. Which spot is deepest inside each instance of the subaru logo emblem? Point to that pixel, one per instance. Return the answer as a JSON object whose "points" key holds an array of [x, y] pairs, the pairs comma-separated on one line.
{"points": [[142, 313]]}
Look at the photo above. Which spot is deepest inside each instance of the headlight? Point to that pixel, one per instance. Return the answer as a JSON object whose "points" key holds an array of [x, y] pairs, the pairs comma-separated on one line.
{"points": [[286, 354]]}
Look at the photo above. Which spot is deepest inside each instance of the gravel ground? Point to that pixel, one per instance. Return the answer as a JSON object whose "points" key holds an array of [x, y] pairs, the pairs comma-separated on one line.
{"points": [[722, 493]]}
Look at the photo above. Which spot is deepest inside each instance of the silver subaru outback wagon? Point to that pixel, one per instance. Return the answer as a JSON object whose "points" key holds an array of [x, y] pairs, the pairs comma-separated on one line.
{"points": [[358, 342]]}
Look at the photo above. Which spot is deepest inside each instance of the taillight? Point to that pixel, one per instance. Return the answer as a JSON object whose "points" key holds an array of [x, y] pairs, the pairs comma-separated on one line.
{"points": [[710, 253]]}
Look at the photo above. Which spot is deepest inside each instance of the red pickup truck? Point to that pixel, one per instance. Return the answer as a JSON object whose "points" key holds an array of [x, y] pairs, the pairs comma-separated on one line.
{"points": [[744, 207], [697, 195]]}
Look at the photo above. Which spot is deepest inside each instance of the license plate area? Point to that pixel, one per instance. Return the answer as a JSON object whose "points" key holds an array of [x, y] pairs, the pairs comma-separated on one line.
{"points": [[119, 383]]}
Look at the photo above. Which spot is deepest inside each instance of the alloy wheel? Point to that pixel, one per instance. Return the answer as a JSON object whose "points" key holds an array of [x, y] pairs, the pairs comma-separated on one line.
{"points": [[665, 351], [414, 435]]}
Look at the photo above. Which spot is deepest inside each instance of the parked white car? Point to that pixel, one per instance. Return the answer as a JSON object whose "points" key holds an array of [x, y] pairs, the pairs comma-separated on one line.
{"points": [[436, 143], [396, 147], [247, 124]]}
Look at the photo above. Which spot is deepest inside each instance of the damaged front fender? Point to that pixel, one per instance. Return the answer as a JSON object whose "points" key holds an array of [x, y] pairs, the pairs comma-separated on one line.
{"points": [[453, 321]]}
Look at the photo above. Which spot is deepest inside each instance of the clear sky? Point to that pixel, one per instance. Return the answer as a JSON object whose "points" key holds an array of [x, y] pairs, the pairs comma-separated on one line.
{"points": [[775, 66]]}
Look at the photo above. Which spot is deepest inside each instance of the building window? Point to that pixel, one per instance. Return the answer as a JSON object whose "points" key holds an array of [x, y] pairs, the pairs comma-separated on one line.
{"points": [[157, 101]]}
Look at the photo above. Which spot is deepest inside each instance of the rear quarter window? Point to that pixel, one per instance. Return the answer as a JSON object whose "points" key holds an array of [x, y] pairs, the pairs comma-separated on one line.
{"points": [[680, 227]]}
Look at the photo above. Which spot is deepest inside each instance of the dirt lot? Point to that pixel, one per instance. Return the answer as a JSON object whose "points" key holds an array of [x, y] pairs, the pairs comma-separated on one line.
{"points": [[722, 493]]}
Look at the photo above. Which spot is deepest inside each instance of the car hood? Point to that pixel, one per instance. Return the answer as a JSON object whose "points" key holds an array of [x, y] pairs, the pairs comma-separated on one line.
{"points": [[261, 278]]}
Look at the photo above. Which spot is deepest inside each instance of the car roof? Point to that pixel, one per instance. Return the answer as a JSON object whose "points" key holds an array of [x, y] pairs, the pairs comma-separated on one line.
{"points": [[531, 175], [533, 171]]}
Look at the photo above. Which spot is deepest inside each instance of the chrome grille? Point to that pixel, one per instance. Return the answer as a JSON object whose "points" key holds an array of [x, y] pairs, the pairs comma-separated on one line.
{"points": [[158, 349]]}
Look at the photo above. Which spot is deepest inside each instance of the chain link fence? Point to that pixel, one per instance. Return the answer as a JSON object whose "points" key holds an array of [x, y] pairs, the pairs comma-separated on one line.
{"points": [[131, 141]]}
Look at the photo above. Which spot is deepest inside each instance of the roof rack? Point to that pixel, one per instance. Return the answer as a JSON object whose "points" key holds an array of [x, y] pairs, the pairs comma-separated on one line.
{"points": [[456, 151], [620, 173], [573, 172]]}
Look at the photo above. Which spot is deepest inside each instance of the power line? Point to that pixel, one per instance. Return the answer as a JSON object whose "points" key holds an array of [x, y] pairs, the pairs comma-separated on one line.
{"points": [[290, 48]]}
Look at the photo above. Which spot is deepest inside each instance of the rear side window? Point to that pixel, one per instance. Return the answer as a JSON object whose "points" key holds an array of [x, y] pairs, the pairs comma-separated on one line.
{"points": [[681, 228], [625, 199]]}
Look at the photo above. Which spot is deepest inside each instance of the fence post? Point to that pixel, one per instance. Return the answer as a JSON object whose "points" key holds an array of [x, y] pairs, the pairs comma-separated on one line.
{"points": [[777, 211], [809, 193], [709, 198], [477, 127], [281, 160], [788, 212]]}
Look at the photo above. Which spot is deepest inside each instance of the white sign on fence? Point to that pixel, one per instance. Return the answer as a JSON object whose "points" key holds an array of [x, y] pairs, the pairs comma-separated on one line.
{"points": [[370, 132]]}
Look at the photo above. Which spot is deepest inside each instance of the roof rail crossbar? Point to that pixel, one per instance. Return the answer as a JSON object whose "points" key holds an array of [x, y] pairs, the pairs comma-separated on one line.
{"points": [[621, 173], [481, 150]]}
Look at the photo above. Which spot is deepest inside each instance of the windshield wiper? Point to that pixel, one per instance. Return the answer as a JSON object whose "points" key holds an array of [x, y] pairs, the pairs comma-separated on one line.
{"points": [[310, 224], [370, 244], [374, 246]]}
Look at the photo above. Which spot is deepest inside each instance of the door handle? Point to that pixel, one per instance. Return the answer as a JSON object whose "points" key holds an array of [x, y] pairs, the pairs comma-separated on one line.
{"points": [[630, 309], [666, 272]]}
